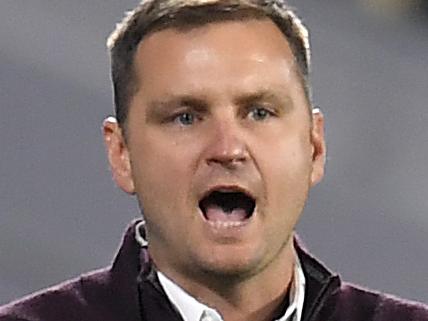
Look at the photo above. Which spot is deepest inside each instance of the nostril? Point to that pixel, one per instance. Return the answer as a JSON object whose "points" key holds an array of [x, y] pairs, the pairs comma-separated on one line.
{"points": [[226, 164]]}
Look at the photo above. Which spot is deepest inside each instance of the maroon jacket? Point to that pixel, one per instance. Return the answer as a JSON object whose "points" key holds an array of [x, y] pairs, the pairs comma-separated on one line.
{"points": [[130, 291]]}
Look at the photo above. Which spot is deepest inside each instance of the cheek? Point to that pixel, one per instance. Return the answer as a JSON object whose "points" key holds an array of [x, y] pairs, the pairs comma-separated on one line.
{"points": [[286, 168], [286, 154], [161, 169]]}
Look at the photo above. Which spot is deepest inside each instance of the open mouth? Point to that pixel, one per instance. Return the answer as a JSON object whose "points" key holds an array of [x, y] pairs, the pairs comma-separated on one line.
{"points": [[228, 208]]}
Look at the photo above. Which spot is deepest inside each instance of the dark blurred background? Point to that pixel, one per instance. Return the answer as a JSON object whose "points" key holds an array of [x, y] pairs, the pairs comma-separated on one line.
{"points": [[61, 215]]}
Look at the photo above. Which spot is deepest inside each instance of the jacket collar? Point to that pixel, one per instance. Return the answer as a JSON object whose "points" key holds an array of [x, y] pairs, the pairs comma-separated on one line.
{"points": [[321, 283], [133, 276]]}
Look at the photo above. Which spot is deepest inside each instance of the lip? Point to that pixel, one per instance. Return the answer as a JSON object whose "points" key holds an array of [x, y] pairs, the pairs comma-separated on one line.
{"points": [[227, 188]]}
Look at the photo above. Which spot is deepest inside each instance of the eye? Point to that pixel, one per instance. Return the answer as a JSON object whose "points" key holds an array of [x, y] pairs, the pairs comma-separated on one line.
{"points": [[260, 113], [185, 119]]}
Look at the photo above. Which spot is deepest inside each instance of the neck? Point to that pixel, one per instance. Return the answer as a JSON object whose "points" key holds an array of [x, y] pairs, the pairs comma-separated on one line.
{"points": [[258, 297]]}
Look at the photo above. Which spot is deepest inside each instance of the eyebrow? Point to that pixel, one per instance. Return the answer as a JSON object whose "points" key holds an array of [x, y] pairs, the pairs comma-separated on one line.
{"points": [[265, 95], [157, 108], [178, 100]]}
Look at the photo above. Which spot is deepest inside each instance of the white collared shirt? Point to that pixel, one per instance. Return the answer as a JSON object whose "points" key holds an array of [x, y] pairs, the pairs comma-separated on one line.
{"points": [[193, 310]]}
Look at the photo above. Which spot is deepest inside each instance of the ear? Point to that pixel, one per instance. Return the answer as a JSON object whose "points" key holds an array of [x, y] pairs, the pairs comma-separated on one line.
{"points": [[318, 146], [118, 155]]}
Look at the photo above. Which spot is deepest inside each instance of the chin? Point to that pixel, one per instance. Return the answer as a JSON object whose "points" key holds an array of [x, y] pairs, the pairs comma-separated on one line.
{"points": [[229, 264]]}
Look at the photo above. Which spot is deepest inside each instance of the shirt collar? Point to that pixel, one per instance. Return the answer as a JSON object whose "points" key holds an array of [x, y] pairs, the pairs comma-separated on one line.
{"points": [[192, 310]]}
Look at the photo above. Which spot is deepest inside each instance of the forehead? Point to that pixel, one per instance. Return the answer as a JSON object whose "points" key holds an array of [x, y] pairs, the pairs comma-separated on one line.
{"points": [[231, 52]]}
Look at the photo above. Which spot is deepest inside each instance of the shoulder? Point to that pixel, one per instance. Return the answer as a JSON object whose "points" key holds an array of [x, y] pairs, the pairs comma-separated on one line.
{"points": [[65, 301], [358, 303]]}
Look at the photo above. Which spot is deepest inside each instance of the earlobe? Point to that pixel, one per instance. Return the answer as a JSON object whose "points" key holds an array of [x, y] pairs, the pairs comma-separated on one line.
{"points": [[118, 155], [318, 147]]}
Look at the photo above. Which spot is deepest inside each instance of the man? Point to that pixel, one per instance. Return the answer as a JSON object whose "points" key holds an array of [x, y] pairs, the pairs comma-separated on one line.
{"points": [[216, 135]]}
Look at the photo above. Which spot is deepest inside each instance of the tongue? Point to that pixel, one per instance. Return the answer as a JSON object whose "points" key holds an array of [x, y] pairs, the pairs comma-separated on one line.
{"points": [[217, 214]]}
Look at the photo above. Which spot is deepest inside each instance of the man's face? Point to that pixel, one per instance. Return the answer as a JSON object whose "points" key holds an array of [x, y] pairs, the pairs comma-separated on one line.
{"points": [[220, 148]]}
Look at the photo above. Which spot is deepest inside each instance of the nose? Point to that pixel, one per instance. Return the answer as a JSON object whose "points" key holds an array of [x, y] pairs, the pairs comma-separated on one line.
{"points": [[227, 146]]}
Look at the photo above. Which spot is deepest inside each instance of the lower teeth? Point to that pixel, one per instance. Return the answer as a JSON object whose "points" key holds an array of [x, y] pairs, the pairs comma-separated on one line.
{"points": [[220, 224]]}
